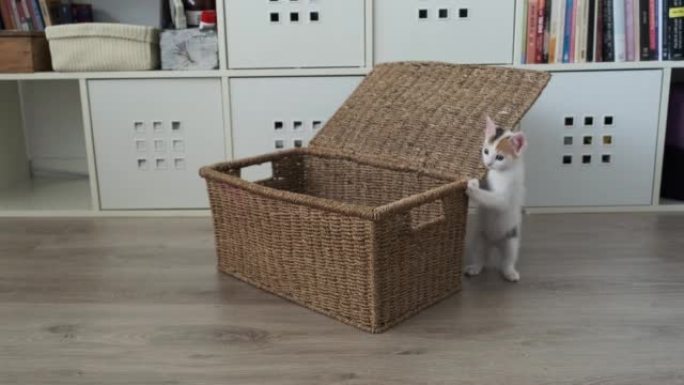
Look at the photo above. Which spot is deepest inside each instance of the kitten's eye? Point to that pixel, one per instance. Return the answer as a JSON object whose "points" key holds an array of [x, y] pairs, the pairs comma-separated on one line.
{"points": [[486, 151], [499, 157]]}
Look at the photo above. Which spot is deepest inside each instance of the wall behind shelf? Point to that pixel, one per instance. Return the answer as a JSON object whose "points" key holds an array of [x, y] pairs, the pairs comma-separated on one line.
{"points": [[53, 127]]}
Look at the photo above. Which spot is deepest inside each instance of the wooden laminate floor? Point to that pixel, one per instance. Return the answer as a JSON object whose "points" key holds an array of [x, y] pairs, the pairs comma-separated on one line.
{"points": [[138, 301]]}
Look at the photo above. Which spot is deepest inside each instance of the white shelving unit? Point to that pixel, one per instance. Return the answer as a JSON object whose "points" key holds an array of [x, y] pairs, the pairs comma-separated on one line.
{"points": [[26, 193]]}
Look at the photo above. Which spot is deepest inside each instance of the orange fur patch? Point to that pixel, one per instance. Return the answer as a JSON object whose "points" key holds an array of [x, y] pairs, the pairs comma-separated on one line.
{"points": [[506, 147]]}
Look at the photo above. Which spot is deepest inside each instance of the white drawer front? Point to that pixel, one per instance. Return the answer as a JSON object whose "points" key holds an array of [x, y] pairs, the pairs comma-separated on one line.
{"points": [[592, 139], [151, 137], [460, 31], [303, 33]]}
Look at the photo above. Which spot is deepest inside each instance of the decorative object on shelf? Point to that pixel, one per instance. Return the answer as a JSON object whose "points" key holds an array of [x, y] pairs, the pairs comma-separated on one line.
{"points": [[189, 49], [177, 11], [380, 192], [194, 8], [103, 47], [672, 186], [24, 52]]}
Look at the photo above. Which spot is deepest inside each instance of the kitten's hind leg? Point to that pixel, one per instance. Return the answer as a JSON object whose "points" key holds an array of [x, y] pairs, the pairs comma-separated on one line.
{"points": [[509, 250], [476, 254]]}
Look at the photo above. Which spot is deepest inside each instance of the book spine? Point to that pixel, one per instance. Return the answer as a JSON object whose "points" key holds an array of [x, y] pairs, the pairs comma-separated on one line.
{"points": [[577, 36], [25, 15], [554, 34], [573, 32], [6, 13], [45, 11], [643, 30], [16, 17], [581, 32], [35, 15], [567, 33], [629, 30], [539, 39], [652, 48], [585, 31], [619, 30], [591, 32], [598, 47], [635, 23], [523, 37], [561, 31], [547, 29], [531, 31], [663, 33], [608, 40], [675, 13]]}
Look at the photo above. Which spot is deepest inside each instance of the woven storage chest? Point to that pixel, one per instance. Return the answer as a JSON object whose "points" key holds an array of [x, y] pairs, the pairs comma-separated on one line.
{"points": [[367, 224]]}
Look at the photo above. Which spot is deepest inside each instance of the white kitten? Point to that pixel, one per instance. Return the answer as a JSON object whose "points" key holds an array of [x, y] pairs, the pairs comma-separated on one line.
{"points": [[499, 200]]}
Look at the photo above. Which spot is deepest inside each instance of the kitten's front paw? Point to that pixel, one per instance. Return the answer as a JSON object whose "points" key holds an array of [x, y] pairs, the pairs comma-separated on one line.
{"points": [[473, 184], [472, 270], [511, 275]]}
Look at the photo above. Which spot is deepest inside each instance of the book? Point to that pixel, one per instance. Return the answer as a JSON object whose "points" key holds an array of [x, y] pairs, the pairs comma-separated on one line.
{"points": [[581, 31], [523, 37], [591, 31], [652, 41], [629, 30], [635, 23], [644, 53], [675, 18], [547, 29], [6, 13], [555, 29], [539, 38], [608, 31], [36, 18], [531, 31], [568, 30], [573, 31], [598, 46], [24, 15], [663, 45], [45, 10], [619, 30]]}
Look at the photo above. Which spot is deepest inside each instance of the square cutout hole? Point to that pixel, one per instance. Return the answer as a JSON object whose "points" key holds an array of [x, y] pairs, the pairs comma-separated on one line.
{"points": [[606, 158], [568, 121], [160, 164], [608, 120], [463, 13], [278, 125], [316, 124], [274, 17], [179, 163], [297, 125], [568, 140], [314, 16], [175, 126], [588, 120], [607, 140], [139, 127], [298, 143], [294, 17], [443, 13], [586, 159], [587, 140], [178, 145], [142, 164], [279, 144], [159, 145], [141, 146], [423, 14], [157, 126], [567, 159]]}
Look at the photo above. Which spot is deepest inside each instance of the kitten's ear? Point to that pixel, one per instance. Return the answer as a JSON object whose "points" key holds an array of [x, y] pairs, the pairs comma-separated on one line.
{"points": [[519, 142], [490, 127]]}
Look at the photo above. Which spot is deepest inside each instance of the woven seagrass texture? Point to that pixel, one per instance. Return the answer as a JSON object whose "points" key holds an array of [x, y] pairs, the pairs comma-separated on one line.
{"points": [[429, 115], [367, 225]]}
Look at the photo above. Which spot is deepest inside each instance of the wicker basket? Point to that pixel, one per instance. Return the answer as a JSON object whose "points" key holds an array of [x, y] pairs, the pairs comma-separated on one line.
{"points": [[103, 47], [367, 224]]}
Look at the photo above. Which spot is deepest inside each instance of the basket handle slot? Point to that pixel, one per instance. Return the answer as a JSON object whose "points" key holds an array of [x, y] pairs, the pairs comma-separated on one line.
{"points": [[427, 214]]}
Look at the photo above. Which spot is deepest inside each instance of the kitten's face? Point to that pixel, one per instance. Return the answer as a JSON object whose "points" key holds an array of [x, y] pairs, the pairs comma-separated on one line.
{"points": [[502, 148]]}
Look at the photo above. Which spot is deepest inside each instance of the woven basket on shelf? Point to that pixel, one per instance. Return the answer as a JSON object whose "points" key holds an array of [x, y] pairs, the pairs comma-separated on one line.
{"points": [[367, 224]]}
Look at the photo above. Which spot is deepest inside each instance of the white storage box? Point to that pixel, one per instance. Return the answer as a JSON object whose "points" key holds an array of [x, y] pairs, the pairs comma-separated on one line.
{"points": [[103, 47]]}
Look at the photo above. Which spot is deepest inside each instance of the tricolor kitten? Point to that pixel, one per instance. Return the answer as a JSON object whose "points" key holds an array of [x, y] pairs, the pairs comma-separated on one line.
{"points": [[499, 198]]}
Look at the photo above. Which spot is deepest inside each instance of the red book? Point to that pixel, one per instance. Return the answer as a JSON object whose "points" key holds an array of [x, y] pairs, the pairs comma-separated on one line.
{"points": [[6, 13], [652, 41], [531, 32], [539, 39]]}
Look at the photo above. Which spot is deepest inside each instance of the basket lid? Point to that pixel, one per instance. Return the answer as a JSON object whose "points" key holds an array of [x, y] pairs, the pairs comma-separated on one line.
{"points": [[429, 115]]}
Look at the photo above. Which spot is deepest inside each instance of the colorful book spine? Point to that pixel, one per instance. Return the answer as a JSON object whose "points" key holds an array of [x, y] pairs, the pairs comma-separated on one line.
{"points": [[591, 31], [675, 16], [573, 33], [652, 41], [554, 31], [547, 29], [567, 33], [6, 12], [608, 32], [531, 32], [36, 18], [539, 39], [629, 30]]}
